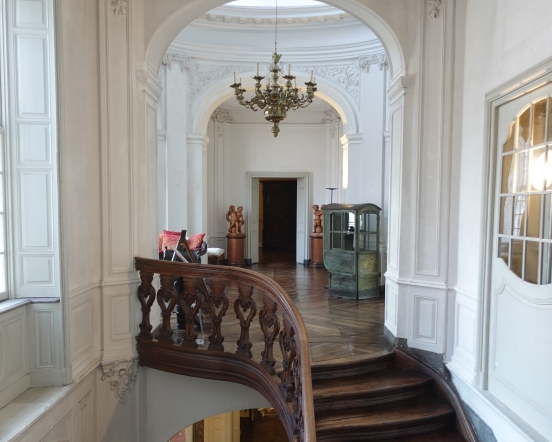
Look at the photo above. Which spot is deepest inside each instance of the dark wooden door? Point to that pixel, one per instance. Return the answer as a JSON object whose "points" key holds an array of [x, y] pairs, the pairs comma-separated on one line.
{"points": [[280, 215]]}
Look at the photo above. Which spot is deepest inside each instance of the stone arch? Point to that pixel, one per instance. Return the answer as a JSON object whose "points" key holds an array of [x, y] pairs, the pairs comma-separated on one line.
{"points": [[178, 20]]}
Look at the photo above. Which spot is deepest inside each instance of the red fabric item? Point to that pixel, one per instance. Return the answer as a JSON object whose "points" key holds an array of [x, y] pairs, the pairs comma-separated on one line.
{"points": [[195, 241], [170, 239]]}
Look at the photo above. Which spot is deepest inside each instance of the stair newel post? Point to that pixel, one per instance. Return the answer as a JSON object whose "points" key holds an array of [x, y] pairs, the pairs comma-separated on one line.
{"points": [[146, 296], [190, 301], [166, 298], [289, 351], [241, 306], [217, 299], [268, 319]]}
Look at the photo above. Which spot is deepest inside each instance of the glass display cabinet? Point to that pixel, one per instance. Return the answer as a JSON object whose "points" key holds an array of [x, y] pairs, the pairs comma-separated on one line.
{"points": [[351, 249]]}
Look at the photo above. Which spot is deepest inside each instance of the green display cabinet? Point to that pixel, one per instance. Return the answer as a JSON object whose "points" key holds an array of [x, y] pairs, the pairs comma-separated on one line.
{"points": [[351, 249]]}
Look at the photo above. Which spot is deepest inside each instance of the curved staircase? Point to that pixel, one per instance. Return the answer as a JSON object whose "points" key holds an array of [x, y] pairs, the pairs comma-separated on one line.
{"points": [[391, 397]]}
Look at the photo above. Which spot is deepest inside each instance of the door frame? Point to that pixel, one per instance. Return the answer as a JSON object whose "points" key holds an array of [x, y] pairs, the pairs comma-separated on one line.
{"points": [[303, 218], [534, 78]]}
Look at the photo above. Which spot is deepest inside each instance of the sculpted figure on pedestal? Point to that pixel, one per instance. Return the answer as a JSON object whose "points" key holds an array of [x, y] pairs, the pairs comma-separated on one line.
{"points": [[318, 219], [241, 221], [232, 218]]}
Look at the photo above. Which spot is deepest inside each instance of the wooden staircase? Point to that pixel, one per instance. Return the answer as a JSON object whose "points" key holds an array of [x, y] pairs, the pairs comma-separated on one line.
{"points": [[392, 397]]}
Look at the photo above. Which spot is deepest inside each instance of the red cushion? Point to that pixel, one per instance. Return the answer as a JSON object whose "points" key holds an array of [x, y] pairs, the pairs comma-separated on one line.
{"points": [[170, 239], [195, 241]]}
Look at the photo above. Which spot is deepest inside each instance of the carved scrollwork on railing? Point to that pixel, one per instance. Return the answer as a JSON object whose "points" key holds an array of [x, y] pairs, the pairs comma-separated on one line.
{"points": [[245, 303], [289, 351], [297, 401], [146, 296], [166, 298], [217, 299], [190, 301], [294, 384], [268, 319]]}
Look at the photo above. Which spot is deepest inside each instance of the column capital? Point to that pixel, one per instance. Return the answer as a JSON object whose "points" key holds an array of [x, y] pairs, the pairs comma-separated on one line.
{"points": [[351, 139]]}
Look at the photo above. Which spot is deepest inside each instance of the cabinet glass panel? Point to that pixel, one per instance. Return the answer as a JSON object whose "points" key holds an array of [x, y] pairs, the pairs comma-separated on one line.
{"points": [[349, 242], [363, 242], [336, 222], [336, 240], [373, 246]]}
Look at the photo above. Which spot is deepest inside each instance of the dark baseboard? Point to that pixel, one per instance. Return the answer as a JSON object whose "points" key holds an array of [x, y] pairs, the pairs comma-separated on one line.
{"points": [[306, 262]]}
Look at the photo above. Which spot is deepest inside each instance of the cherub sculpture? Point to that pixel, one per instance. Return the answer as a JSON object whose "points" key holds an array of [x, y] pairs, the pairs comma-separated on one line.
{"points": [[318, 219], [232, 218], [241, 221]]}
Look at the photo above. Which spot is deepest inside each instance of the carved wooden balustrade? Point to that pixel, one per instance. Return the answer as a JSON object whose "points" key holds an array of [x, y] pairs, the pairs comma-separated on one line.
{"points": [[289, 391]]}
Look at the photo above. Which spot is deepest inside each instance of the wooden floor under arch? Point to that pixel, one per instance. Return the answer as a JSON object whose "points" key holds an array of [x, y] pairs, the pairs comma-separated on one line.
{"points": [[337, 328]]}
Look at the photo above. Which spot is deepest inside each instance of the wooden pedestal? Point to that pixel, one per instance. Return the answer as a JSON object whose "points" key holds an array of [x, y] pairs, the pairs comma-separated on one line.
{"points": [[235, 249], [317, 249]]}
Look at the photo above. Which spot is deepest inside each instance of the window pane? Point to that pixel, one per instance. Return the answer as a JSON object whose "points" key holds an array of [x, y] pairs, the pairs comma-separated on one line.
{"points": [[548, 169], [517, 256], [524, 132], [509, 144], [506, 206], [533, 215], [2, 233], [539, 120], [518, 228], [507, 174], [546, 271], [336, 240], [549, 120], [521, 171], [504, 249], [547, 219], [537, 169], [336, 222], [2, 273], [532, 262]]}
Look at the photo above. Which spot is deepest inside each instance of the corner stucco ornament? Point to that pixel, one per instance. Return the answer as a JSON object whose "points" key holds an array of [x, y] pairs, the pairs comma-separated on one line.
{"points": [[364, 61], [434, 6], [121, 375], [347, 76], [331, 118], [221, 115], [119, 7], [183, 60]]}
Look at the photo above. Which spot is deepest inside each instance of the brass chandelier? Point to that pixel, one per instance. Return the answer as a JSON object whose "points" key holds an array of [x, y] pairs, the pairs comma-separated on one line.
{"points": [[275, 99]]}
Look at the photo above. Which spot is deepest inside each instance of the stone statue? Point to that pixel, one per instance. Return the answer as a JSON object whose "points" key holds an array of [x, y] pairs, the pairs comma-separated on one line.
{"points": [[318, 219], [241, 221], [232, 218]]}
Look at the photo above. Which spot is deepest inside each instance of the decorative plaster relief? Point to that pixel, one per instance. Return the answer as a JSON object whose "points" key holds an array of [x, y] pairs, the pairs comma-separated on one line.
{"points": [[121, 375], [434, 6], [298, 20], [364, 61], [346, 76], [183, 60], [221, 115], [205, 74], [332, 118], [119, 8]]}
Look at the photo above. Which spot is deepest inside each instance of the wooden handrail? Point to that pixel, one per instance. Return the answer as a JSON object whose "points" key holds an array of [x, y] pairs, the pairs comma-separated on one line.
{"points": [[295, 384]]}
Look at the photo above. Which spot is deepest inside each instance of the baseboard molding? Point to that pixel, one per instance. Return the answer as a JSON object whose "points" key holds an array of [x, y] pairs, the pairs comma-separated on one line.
{"points": [[489, 411]]}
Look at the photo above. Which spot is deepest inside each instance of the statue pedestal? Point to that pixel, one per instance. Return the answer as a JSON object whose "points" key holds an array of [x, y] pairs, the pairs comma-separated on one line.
{"points": [[317, 249], [235, 249]]}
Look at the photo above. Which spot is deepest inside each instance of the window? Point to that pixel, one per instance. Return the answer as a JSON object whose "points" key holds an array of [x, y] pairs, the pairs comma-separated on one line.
{"points": [[525, 229], [3, 285]]}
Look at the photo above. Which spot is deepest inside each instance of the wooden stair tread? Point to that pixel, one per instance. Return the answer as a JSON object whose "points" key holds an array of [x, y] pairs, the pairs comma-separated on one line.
{"points": [[448, 435], [395, 415], [376, 383]]}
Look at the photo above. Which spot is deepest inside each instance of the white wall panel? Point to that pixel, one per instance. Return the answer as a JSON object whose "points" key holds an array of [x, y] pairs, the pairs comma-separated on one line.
{"points": [[37, 271], [425, 319], [32, 67], [62, 432], [34, 144], [31, 13], [36, 210]]}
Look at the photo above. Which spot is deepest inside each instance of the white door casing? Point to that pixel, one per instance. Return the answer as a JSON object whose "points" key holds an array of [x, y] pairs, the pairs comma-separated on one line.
{"points": [[520, 325]]}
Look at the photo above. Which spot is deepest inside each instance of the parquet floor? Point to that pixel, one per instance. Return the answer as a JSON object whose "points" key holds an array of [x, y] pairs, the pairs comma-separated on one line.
{"points": [[337, 328]]}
